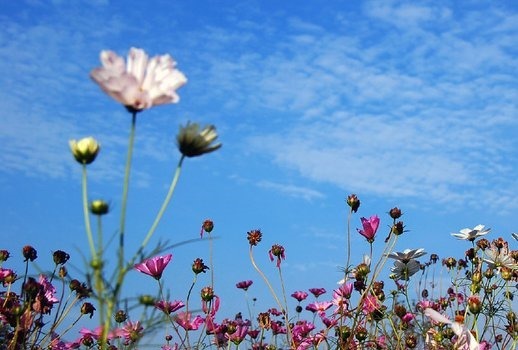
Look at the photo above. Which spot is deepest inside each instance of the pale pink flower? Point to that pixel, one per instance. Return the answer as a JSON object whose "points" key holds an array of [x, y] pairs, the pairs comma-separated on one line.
{"points": [[140, 82], [370, 227], [169, 306], [184, 320], [370, 304], [154, 267], [319, 306], [465, 341]]}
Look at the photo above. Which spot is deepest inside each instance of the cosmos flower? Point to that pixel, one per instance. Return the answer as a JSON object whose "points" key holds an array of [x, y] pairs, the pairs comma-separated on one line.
{"points": [[465, 341], [140, 82], [277, 251], [319, 306], [299, 295], [403, 271], [497, 257], [184, 320], [407, 255], [469, 234], [370, 226], [154, 267], [193, 142], [317, 291], [244, 284], [169, 306]]}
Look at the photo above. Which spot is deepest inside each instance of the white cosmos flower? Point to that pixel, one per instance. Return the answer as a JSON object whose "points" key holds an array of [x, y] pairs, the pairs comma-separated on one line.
{"points": [[403, 271], [407, 255], [499, 257], [140, 82], [470, 234], [465, 341]]}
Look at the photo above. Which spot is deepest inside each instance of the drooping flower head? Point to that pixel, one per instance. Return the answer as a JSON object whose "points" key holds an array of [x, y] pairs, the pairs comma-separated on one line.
{"points": [[140, 82], [169, 306], [472, 234], [277, 251], [317, 291], [193, 141], [407, 255], [370, 227], [206, 226], [154, 267], [299, 295], [404, 270], [85, 150]]}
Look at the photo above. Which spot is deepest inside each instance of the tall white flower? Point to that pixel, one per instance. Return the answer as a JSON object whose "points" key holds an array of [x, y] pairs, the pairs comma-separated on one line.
{"points": [[140, 82], [403, 271], [470, 234]]}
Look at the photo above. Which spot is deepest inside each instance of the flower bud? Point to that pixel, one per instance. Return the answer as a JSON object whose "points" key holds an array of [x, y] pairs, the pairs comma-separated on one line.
{"points": [[353, 202], [85, 150], [398, 228], [395, 213], [147, 300], [198, 266], [60, 257], [207, 294], [474, 304], [120, 316], [87, 309], [29, 253], [361, 333], [4, 255], [208, 226], [62, 273], [99, 207], [193, 142], [506, 273]]}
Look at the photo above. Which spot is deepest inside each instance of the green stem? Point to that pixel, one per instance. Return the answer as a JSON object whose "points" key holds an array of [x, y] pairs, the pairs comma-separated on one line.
{"points": [[164, 205], [122, 226], [86, 213], [265, 280]]}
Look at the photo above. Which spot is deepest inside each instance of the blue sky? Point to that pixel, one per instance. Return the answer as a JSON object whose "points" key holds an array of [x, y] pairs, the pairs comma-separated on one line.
{"points": [[409, 104]]}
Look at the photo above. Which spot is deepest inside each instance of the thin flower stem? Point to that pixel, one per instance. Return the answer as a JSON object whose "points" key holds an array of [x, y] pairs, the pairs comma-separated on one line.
{"points": [[265, 279], [164, 205], [86, 213], [122, 226], [288, 329], [348, 244]]}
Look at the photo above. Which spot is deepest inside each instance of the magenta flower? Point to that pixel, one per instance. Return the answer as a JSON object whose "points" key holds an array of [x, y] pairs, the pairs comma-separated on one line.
{"points": [[154, 266], [317, 291], [370, 304], [169, 306], [370, 226], [244, 284], [300, 295], [132, 332]]}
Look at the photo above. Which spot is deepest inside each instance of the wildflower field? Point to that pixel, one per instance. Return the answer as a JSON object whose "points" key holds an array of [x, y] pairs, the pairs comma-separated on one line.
{"points": [[392, 300]]}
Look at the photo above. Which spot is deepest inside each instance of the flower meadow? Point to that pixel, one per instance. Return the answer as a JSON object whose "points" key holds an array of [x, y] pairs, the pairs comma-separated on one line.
{"points": [[414, 308]]}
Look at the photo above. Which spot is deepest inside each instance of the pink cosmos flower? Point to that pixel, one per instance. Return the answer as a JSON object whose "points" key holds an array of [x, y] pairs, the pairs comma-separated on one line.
{"points": [[239, 335], [370, 304], [140, 82], [277, 251], [154, 267], [319, 306], [48, 289], [370, 226], [244, 284], [132, 332], [317, 291], [184, 320], [299, 295]]}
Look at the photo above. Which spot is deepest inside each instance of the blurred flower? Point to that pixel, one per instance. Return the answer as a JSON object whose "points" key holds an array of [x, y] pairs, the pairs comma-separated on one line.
{"points": [[244, 284], [85, 150], [87, 309], [184, 320], [140, 82], [403, 270], [154, 267], [395, 213], [370, 304], [407, 254], [465, 338], [169, 306], [472, 234], [193, 142], [207, 226], [370, 226], [132, 332], [60, 257], [4, 255]]}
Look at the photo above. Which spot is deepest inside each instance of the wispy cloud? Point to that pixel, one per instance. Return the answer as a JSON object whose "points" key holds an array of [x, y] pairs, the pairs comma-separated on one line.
{"points": [[292, 190]]}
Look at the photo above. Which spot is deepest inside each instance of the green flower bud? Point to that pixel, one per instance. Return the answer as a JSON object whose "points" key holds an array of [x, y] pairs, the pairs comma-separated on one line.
{"points": [[193, 142], [85, 150]]}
